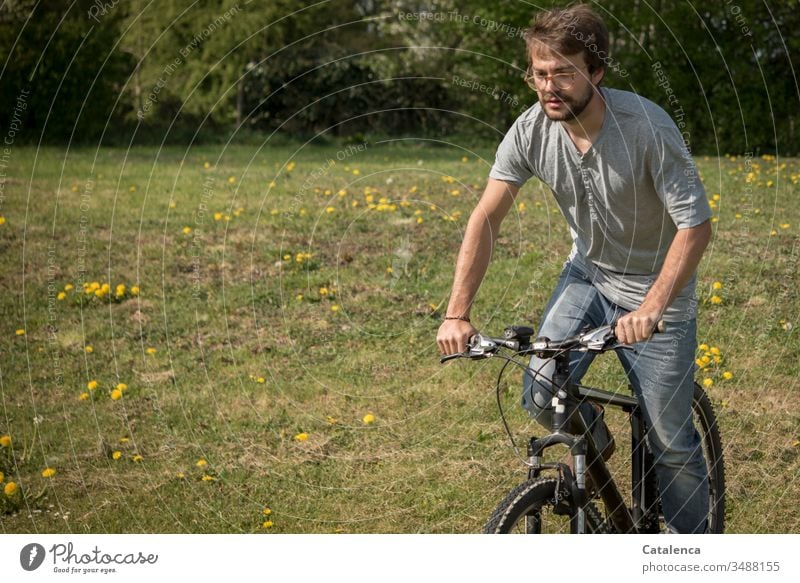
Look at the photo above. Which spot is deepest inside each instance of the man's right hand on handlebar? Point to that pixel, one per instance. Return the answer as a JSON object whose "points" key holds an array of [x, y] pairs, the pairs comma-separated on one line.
{"points": [[453, 336]]}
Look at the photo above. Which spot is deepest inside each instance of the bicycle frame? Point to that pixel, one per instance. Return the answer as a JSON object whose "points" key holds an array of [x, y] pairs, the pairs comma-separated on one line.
{"points": [[569, 428]]}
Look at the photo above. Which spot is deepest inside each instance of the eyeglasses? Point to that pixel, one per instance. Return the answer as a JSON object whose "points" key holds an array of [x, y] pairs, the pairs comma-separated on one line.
{"points": [[537, 80]]}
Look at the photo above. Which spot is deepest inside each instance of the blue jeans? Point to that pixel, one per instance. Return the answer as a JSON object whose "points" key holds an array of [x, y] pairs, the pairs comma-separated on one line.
{"points": [[661, 372]]}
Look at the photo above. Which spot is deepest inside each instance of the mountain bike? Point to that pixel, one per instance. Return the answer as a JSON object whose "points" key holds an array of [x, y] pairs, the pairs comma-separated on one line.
{"points": [[555, 497]]}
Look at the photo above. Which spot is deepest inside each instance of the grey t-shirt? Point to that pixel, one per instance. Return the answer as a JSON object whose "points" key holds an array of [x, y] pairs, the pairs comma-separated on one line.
{"points": [[624, 199]]}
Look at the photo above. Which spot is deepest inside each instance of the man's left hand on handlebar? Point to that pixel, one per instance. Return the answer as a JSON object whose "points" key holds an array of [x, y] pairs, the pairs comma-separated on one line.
{"points": [[636, 326]]}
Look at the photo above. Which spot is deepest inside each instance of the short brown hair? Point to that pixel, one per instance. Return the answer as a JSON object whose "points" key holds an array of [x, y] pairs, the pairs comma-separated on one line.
{"points": [[569, 31]]}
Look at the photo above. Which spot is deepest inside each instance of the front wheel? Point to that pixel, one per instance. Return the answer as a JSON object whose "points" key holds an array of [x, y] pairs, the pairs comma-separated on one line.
{"points": [[539, 506]]}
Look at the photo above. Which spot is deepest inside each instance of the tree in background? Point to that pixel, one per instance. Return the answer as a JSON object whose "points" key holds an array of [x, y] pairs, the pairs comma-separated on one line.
{"points": [[64, 62], [439, 68]]}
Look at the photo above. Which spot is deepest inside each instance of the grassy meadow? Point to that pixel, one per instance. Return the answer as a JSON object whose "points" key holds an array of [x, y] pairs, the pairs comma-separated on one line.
{"points": [[262, 357]]}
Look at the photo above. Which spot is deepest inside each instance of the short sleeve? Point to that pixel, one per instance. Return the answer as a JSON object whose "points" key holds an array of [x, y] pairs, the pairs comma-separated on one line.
{"points": [[675, 178], [511, 162]]}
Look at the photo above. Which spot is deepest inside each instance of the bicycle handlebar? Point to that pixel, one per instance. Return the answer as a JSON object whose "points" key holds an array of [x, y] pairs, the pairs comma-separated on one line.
{"points": [[518, 340]]}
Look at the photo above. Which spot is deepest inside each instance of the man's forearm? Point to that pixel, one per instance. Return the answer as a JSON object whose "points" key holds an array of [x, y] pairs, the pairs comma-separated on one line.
{"points": [[682, 259], [473, 261]]}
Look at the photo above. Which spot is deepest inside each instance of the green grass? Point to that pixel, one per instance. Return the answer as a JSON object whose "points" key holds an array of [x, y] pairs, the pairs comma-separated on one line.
{"points": [[221, 307]]}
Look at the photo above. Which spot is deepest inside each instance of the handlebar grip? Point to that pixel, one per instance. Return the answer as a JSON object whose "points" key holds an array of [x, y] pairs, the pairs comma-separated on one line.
{"points": [[448, 357]]}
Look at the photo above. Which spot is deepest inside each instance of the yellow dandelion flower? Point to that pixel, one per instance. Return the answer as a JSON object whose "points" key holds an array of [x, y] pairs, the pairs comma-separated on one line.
{"points": [[727, 375], [207, 478], [69, 287], [301, 437], [715, 351], [334, 308], [217, 216], [299, 297], [201, 463], [10, 489], [420, 220], [20, 332], [290, 166], [180, 475], [122, 387], [2, 477], [89, 349], [2, 220], [369, 419], [717, 285], [700, 363], [705, 358], [83, 396], [116, 395], [773, 232], [92, 385], [132, 189], [206, 165], [261, 380], [703, 347], [323, 291], [137, 458], [116, 455], [329, 209], [267, 511], [707, 382], [717, 359], [5, 440], [356, 171], [389, 270], [266, 524], [332, 420], [716, 300], [124, 440], [738, 215], [61, 295], [231, 179], [135, 290], [151, 350], [48, 472], [785, 225], [187, 230], [172, 204]]}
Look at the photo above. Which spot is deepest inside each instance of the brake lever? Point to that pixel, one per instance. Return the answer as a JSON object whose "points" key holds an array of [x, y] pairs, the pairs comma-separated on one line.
{"points": [[448, 357]]}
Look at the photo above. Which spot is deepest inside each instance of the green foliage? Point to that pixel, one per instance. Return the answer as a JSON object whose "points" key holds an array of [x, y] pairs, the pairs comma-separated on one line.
{"points": [[171, 69], [62, 70]]}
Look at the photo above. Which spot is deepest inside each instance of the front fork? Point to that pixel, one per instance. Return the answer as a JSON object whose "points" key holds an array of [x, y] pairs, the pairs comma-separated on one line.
{"points": [[575, 478]]}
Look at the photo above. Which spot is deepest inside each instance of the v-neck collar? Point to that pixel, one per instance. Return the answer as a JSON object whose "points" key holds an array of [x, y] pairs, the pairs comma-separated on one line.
{"points": [[576, 154]]}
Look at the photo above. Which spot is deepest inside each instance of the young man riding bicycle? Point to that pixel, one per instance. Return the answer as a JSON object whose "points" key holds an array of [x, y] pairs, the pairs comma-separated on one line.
{"points": [[639, 219]]}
